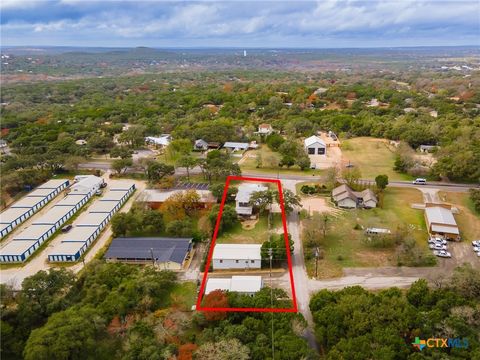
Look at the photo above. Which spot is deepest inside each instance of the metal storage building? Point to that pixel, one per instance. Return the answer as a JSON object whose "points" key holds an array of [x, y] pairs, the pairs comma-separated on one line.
{"points": [[68, 251], [104, 207], [58, 184], [46, 193], [73, 200], [87, 186], [56, 216], [117, 195], [168, 253], [94, 220], [28, 205], [14, 216], [33, 202], [84, 234], [248, 285], [123, 186], [18, 251], [237, 256], [36, 232]]}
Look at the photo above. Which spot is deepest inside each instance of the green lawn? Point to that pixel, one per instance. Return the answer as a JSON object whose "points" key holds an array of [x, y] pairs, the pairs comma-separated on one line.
{"points": [[184, 295], [372, 156], [240, 235], [250, 164], [344, 246]]}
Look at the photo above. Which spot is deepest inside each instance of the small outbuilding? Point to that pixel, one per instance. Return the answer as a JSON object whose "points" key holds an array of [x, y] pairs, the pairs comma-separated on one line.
{"points": [[440, 221], [237, 256], [200, 145], [236, 146], [248, 285]]}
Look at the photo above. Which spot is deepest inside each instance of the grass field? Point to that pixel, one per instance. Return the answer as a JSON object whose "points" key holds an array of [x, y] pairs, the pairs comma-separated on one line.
{"points": [[250, 164], [372, 156], [468, 219], [344, 246], [184, 294]]}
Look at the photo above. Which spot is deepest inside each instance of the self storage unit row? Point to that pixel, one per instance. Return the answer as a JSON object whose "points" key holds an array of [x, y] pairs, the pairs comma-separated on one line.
{"points": [[29, 205], [44, 227], [90, 224]]}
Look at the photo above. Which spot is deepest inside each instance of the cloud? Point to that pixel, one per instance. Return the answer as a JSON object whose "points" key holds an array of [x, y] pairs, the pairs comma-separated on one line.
{"points": [[237, 23]]}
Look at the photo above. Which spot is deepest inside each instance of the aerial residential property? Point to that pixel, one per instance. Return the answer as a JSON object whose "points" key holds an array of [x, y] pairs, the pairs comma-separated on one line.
{"points": [[233, 180]]}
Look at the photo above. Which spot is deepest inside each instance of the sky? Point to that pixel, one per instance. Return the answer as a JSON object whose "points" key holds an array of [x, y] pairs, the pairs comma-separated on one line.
{"points": [[264, 24]]}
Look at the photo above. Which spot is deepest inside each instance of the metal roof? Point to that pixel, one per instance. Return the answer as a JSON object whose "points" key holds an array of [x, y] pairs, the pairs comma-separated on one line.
{"points": [[53, 184], [11, 214], [312, 140], [27, 202], [164, 249], [33, 232], [78, 234], [91, 219], [440, 215], [41, 192], [102, 207], [121, 185], [445, 229], [71, 200], [237, 251], [235, 145], [243, 284], [116, 195], [17, 247], [67, 248], [86, 185], [246, 190], [53, 215]]}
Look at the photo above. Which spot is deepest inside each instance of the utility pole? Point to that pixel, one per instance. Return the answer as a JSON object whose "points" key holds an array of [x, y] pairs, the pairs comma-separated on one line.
{"points": [[270, 255], [151, 254], [317, 254]]}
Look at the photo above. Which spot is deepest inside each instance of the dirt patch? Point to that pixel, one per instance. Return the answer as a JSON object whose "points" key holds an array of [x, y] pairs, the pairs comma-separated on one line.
{"points": [[374, 257], [318, 204], [249, 224]]}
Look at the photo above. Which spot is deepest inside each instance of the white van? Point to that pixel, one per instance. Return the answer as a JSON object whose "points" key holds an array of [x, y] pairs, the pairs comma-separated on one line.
{"points": [[420, 181]]}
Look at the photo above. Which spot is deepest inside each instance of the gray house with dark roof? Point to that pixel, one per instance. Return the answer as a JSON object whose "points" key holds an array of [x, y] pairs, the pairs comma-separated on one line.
{"points": [[167, 253], [345, 197]]}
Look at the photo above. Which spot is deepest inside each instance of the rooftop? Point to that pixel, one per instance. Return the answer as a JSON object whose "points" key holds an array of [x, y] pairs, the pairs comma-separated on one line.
{"points": [[115, 195], [66, 248], [164, 249], [16, 247], [53, 184], [440, 215], [27, 202], [70, 200], [121, 185], [245, 284], [91, 219], [155, 195], [246, 190], [237, 251], [11, 214], [78, 234], [313, 140], [236, 145], [40, 192], [33, 232], [102, 207], [53, 215]]}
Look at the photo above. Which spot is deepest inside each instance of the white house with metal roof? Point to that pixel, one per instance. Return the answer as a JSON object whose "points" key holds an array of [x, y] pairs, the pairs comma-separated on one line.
{"points": [[247, 285], [237, 256], [236, 146], [315, 146], [242, 199], [88, 185], [161, 141]]}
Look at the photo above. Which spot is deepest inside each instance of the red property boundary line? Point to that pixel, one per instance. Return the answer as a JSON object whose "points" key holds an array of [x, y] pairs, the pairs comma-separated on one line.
{"points": [[294, 309]]}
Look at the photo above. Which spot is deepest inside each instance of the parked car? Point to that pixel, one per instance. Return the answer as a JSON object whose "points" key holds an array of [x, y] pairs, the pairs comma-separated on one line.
{"points": [[437, 247], [98, 192], [103, 185], [476, 248], [67, 228], [420, 181], [442, 253], [437, 241], [476, 243]]}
